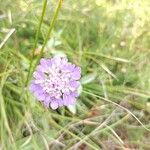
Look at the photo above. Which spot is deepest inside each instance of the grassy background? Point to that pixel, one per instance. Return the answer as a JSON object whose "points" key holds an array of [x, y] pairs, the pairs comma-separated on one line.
{"points": [[110, 41]]}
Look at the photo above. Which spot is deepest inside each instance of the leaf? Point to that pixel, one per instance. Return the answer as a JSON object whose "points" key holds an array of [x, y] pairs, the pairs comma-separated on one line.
{"points": [[79, 91], [72, 109], [88, 78], [58, 53], [53, 43], [108, 71]]}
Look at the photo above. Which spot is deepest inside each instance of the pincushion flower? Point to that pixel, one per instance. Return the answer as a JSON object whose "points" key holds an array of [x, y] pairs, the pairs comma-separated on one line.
{"points": [[55, 82]]}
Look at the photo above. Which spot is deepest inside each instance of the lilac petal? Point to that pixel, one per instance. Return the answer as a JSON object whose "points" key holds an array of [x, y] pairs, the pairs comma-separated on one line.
{"points": [[38, 89], [68, 99], [76, 74], [46, 104], [38, 75], [68, 67], [72, 100], [74, 84], [74, 94], [57, 60], [41, 96], [54, 104], [49, 62], [47, 100], [40, 68], [45, 63], [60, 102], [64, 60], [35, 87]]}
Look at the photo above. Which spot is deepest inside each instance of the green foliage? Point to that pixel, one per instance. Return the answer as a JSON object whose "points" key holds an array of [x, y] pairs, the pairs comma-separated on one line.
{"points": [[110, 40]]}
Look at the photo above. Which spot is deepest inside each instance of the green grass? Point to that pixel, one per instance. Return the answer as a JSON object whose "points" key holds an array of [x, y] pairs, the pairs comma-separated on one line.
{"points": [[110, 41]]}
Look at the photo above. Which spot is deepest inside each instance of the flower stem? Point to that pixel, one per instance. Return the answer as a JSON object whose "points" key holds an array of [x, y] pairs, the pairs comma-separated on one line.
{"points": [[47, 37], [36, 39]]}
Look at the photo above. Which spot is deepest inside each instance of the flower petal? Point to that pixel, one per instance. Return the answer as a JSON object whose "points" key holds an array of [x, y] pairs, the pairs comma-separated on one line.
{"points": [[74, 94], [72, 100], [45, 63], [35, 87], [38, 75], [56, 60], [60, 102], [41, 96], [68, 67], [40, 68], [54, 104], [68, 99], [76, 74], [74, 84]]}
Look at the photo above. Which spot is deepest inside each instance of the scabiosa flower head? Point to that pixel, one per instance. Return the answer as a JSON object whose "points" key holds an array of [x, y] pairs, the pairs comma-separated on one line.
{"points": [[56, 82]]}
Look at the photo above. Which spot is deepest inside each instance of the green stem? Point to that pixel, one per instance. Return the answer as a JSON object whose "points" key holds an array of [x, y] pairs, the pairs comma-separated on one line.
{"points": [[49, 31], [36, 39], [48, 35]]}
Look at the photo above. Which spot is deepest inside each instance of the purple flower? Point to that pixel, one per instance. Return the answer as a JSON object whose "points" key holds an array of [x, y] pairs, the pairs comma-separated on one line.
{"points": [[56, 82]]}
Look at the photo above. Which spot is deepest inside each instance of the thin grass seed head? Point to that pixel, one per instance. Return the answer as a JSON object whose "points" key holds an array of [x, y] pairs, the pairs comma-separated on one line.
{"points": [[55, 82]]}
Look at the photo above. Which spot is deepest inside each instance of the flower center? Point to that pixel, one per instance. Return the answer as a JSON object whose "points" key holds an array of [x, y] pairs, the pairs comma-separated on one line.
{"points": [[56, 82]]}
